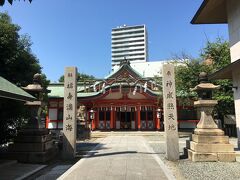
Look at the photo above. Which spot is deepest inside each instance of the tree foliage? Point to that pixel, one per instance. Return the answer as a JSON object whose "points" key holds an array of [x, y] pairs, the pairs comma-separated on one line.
{"points": [[18, 65], [213, 57], [2, 2], [219, 52], [80, 77]]}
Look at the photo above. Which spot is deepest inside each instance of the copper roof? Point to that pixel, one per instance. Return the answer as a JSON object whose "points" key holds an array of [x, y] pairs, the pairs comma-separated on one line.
{"points": [[11, 91]]}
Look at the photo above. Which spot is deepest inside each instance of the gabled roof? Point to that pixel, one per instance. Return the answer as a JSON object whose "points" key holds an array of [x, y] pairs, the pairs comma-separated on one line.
{"points": [[211, 12], [11, 91], [123, 76], [124, 67]]}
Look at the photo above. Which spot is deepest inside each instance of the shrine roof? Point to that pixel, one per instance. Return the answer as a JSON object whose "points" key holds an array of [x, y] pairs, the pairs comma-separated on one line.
{"points": [[11, 91], [124, 66], [57, 91]]}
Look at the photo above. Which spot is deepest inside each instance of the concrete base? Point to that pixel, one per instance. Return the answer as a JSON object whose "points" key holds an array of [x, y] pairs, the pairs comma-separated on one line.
{"points": [[210, 145]]}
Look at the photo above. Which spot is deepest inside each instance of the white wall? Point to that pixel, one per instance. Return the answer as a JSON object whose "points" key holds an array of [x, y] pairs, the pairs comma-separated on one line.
{"points": [[234, 28], [234, 38]]}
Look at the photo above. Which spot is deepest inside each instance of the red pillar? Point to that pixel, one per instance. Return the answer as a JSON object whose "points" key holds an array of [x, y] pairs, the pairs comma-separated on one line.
{"points": [[157, 120], [96, 119], [111, 120], [93, 122], [138, 118]]}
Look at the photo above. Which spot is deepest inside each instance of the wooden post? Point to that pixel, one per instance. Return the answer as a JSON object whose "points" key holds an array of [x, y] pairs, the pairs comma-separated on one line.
{"points": [[70, 111], [170, 113]]}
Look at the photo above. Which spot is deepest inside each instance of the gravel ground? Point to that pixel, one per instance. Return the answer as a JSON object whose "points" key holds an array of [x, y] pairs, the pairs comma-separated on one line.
{"points": [[185, 169]]}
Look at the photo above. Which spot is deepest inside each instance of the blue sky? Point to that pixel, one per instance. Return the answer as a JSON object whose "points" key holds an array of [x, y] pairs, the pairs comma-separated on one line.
{"points": [[78, 33]]}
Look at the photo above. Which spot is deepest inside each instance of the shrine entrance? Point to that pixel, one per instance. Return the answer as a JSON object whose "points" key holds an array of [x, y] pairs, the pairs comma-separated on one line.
{"points": [[126, 119]]}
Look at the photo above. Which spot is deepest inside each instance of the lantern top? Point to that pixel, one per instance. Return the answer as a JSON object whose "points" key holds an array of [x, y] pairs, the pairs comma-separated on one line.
{"points": [[36, 86], [205, 86]]}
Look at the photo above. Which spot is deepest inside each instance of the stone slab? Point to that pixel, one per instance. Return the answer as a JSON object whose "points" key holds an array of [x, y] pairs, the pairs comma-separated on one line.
{"points": [[210, 139], [27, 139], [30, 147], [211, 148], [114, 160], [201, 157], [19, 171], [227, 157], [205, 103], [209, 132], [37, 132]]}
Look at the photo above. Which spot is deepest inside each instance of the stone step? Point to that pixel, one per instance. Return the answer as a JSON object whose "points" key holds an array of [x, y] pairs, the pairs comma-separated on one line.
{"points": [[211, 148], [211, 157], [33, 157], [4, 163], [126, 133], [210, 139]]}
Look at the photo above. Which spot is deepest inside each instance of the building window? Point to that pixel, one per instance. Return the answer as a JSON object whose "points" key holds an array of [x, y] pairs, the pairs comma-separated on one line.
{"points": [[55, 115]]}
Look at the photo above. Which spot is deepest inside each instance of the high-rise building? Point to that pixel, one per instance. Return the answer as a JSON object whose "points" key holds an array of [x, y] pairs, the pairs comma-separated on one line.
{"points": [[129, 42]]}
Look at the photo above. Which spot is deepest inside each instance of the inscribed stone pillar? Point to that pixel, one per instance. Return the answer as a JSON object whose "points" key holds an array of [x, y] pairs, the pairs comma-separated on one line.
{"points": [[170, 113], [70, 111]]}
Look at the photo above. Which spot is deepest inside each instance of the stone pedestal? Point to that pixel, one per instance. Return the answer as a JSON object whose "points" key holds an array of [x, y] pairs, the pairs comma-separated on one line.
{"points": [[32, 146], [208, 143]]}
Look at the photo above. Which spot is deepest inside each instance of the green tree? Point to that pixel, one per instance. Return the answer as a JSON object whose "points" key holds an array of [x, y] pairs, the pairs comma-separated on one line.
{"points": [[218, 55], [80, 77], [2, 2], [18, 65]]}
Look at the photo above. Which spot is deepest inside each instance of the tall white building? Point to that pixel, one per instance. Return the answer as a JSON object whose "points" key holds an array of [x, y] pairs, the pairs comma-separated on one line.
{"points": [[129, 42]]}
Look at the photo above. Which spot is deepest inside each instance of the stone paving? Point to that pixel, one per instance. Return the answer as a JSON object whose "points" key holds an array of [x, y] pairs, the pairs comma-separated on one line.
{"points": [[18, 171], [121, 158]]}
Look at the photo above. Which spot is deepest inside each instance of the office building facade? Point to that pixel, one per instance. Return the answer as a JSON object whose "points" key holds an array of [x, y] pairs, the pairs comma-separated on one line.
{"points": [[129, 42]]}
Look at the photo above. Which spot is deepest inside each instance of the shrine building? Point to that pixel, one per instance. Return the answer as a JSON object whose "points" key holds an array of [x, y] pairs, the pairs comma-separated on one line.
{"points": [[124, 100]]}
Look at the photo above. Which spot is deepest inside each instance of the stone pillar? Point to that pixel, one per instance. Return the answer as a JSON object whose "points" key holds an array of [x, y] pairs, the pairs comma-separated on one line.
{"points": [[170, 113], [70, 111]]}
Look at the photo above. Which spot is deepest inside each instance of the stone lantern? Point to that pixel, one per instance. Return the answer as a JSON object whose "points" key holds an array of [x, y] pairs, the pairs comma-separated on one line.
{"points": [[208, 141], [33, 143]]}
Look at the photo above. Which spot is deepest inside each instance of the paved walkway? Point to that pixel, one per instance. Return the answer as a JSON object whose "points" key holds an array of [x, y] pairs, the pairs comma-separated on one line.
{"points": [[120, 158]]}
